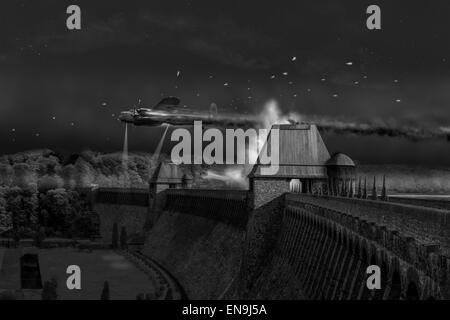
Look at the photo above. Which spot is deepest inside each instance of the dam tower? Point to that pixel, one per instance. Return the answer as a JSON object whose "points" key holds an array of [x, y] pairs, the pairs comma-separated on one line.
{"points": [[302, 164]]}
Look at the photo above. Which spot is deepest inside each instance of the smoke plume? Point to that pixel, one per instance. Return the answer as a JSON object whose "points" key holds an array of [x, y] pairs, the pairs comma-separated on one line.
{"points": [[272, 114]]}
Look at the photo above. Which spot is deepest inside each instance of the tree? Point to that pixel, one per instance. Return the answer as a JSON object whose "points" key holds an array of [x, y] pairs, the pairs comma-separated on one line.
{"points": [[30, 204], [14, 204], [140, 296], [39, 237], [123, 238], [115, 236], [105, 291], [6, 174], [23, 175], [6, 222], [49, 292], [49, 165], [85, 174], [59, 209], [68, 174], [49, 182]]}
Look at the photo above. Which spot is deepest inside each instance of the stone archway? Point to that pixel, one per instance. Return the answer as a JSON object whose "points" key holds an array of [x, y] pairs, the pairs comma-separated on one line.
{"points": [[30, 273]]}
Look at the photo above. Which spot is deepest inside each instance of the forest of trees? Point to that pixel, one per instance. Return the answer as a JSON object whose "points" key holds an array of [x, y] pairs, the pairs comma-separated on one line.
{"points": [[45, 170], [41, 189], [24, 212]]}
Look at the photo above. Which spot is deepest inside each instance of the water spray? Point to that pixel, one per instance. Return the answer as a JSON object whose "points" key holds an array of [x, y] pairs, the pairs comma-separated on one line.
{"points": [[125, 148]]}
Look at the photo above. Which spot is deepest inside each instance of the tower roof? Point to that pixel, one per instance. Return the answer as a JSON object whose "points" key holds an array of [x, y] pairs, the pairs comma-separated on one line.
{"points": [[340, 159], [167, 173], [302, 152]]}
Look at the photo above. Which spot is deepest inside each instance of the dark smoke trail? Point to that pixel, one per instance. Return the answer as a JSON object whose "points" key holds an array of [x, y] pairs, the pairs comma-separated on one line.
{"points": [[413, 133]]}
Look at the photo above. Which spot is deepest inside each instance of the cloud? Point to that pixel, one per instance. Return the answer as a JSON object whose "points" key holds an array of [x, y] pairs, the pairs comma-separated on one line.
{"points": [[200, 37], [225, 55], [236, 46], [115, 31]]}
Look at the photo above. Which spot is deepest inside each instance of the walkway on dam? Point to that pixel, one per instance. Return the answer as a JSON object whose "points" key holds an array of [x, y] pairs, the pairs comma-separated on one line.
{"points": [[428, 226]]}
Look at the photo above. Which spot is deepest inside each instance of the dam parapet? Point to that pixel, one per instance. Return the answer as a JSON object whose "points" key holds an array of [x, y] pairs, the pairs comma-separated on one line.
{"points": [[429, 226], [122, 196], [227, 207]]}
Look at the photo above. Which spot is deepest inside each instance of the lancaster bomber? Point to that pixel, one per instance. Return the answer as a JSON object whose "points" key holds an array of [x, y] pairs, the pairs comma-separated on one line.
{"points": [[168, 111]]}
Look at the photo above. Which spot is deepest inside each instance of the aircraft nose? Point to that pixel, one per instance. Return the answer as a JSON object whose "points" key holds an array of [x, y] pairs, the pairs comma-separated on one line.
{"points": [[125, 116]]}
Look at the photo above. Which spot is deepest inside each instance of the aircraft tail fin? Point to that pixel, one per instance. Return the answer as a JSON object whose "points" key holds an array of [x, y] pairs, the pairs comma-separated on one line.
{"points": [[168, 102]]}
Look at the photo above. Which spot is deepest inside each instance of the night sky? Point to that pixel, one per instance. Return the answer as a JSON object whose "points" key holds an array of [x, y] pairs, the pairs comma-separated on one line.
{"points": [[63, 90]]}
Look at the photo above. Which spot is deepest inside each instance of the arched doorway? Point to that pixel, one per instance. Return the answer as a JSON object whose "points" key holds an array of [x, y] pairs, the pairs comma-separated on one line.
{"points": [[30, 273], [295, 185]]}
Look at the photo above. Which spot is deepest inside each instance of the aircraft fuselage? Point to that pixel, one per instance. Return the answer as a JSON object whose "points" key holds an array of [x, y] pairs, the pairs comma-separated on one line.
{"points": [[180, 117]]}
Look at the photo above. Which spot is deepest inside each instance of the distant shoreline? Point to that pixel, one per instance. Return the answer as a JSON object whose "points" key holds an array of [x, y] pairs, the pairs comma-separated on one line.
{"points": [[421, 196]]}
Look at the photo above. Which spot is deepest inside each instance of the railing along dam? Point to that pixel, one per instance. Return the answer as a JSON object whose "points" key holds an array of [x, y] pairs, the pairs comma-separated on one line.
{"points": [[227, 206]]}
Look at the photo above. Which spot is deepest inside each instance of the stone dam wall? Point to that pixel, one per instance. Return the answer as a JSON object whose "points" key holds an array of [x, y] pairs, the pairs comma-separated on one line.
{"points": [[126, 207], [199, 238], [295, 246]]}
